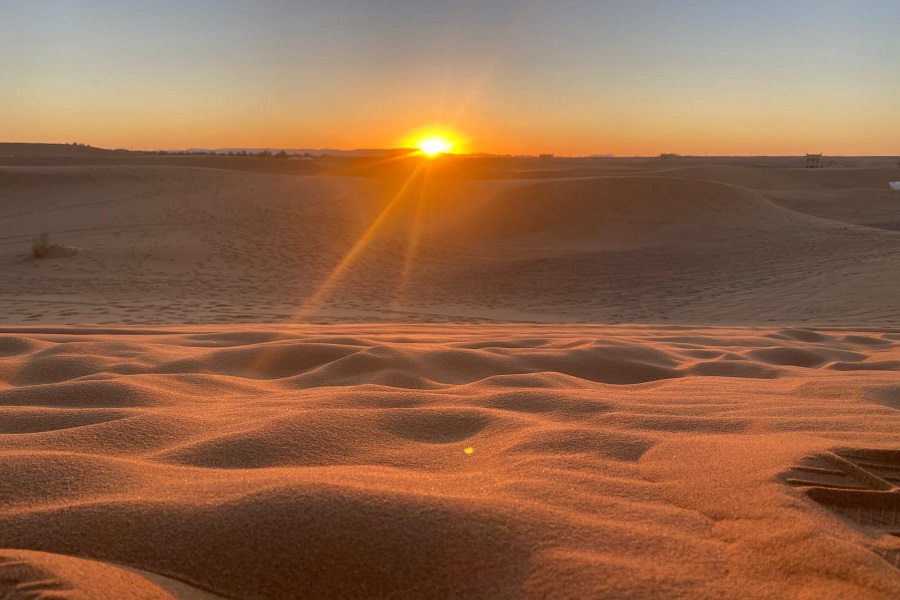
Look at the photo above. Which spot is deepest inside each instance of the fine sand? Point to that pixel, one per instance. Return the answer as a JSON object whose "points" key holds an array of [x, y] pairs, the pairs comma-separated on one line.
{"points": [[332, 462], [648, 242], [602, 378]]}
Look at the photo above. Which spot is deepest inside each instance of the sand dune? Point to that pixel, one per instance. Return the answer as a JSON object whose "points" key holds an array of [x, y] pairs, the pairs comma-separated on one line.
{"points": [[762, 178], [873, 208], [332, 462], [722, 244], [613, 213]]}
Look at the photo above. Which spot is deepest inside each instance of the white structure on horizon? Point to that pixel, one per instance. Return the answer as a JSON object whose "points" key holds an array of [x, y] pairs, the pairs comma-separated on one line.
{"points": [[813, 161]]}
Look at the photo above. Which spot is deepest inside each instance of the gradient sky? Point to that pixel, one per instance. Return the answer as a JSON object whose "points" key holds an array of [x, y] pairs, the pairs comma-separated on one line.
{"points": [[573, 77]]}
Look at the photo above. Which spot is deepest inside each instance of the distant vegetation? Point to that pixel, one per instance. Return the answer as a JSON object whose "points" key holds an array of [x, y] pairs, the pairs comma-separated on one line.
{"points": [[41, 245], [42, 248], [260, 154]]}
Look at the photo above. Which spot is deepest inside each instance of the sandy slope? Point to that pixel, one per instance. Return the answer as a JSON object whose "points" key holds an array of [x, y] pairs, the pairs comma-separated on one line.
{"points": [[704, 244], [331, 462]]}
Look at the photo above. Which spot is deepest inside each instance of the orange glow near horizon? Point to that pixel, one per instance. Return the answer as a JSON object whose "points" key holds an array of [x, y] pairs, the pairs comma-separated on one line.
{"points": [[630, 135]]}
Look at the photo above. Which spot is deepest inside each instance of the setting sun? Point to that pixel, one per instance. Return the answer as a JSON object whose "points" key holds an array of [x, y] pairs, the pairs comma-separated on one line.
{"points": [[434, 145]]}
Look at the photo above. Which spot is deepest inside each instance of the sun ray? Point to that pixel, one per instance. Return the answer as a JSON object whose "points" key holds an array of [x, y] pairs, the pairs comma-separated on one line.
{"points": [[412, 242], [313, 302]]}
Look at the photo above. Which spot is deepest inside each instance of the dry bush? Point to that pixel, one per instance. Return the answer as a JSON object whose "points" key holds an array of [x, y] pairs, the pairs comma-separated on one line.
{"points": [[40, 245]]}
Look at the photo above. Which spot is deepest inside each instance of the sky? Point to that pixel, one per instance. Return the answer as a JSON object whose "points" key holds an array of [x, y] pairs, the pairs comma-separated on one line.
{"points": [[570, 77]]}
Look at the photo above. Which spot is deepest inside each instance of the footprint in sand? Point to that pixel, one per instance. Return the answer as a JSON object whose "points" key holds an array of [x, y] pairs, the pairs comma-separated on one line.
{"points": [[862, 486]]}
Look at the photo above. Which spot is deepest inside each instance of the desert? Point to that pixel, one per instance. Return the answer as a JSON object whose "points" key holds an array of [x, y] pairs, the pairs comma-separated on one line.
{"points": [[454, 378]]}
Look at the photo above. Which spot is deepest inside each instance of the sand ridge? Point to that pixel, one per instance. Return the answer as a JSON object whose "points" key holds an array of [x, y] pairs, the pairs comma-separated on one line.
{"points": [[331, 462]]}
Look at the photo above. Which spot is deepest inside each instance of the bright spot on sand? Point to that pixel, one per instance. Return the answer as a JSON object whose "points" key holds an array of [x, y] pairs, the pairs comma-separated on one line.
{"points": [[469, 450]]}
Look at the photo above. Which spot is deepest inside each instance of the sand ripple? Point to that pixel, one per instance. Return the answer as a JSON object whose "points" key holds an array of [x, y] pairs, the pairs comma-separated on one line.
{"points": [[436, 461]]}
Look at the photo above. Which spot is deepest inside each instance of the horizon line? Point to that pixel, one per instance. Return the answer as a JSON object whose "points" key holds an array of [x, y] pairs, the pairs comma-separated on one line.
{"points": [[276, 149]]}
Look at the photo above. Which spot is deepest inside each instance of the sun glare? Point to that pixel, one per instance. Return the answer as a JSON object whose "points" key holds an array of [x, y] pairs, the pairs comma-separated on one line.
{"points": [[434, 145]]}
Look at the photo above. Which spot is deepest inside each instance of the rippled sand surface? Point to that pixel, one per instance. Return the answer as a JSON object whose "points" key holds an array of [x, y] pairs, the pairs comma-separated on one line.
{"points": [[449, 461]]}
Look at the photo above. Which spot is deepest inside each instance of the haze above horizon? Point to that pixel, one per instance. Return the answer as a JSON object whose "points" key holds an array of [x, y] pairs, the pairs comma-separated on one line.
{"points": [[520, 77]]}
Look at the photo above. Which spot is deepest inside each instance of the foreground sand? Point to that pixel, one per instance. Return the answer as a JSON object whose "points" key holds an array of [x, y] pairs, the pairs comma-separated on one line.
{"points": [[756, 459], [438, 461]]}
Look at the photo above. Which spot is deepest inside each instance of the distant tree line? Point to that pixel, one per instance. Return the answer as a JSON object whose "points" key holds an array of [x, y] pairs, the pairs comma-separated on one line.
{"points": [[262, 154]]}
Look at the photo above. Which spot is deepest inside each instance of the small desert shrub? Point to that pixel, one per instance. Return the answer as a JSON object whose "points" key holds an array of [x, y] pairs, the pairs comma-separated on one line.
{"points": [[41, 245]]}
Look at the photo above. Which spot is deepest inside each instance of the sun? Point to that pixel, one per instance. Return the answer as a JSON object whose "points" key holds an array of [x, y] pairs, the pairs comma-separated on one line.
{"points": [[432, 142], [433, 145]]}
